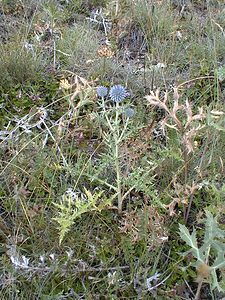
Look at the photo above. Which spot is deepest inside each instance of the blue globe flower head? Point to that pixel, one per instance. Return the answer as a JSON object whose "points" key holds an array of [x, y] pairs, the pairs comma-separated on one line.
{"points": [[102, 91], [129, 112], [118, 93]]}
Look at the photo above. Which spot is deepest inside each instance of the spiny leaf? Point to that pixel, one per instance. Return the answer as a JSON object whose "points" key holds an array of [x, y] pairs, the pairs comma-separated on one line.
{"points": [[211, 241], [215, 283], [69, 210], [191, 240], [219, 261], [211, 228]]}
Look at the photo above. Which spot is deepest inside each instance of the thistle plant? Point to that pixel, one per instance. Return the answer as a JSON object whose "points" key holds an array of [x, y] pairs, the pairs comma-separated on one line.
{"points": [[116, 131], [181, 118], [72, 206], [187, 129], [209, 257]]}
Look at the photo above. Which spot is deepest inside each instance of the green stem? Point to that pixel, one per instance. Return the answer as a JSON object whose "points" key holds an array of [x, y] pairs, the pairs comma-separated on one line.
{"points": [[105, 114], [117, 137], [117, 162], [118, 178], [124, 129]]}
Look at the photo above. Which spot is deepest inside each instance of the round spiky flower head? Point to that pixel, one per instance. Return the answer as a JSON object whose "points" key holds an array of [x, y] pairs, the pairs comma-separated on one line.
{"points": [[102, 91], [117, 93], [129, 112]]}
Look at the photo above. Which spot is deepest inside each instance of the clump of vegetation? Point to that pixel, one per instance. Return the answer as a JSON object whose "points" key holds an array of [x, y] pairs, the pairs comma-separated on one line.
{"points": [[77, 46], [112, 149], [19, 64], [212, 248]]}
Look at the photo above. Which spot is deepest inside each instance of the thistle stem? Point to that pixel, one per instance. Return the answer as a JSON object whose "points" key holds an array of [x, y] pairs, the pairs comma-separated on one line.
{"points": [[117, 163], [118, 178], [117, 136], [197, 295]]}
